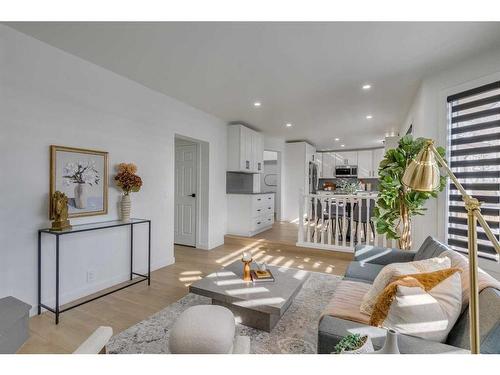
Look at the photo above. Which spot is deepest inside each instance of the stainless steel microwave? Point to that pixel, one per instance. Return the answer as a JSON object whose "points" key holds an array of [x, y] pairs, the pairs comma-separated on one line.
{"points": [[346, 171]]}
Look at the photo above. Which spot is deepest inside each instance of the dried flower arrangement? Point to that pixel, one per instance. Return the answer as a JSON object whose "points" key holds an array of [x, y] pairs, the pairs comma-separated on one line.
{"points": [[126, 179]]}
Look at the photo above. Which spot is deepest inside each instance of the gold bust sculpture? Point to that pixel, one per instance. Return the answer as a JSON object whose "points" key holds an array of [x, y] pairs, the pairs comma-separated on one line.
{"points": [[60, 211]]}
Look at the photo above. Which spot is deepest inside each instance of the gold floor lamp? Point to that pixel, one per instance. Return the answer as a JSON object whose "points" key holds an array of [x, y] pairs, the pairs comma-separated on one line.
{"points": [[423, 175]]}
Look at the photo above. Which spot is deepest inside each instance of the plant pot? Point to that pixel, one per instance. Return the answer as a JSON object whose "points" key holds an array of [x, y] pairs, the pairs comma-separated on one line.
{"points": [[391, 343], [125, 206], [81, 195], [367, 347]]}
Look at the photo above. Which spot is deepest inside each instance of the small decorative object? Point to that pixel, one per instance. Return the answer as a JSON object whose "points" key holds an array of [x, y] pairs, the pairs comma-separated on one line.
{"points": [[128, 182], [246, 259], [259, 276], [59, 211], [348, 186], [354, 344], [390, 344], [261, 266], [397, 203], [82, 175]]}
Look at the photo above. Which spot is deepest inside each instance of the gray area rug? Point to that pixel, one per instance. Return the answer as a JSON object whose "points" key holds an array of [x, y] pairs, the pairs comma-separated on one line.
{"points": [[296, 332]]}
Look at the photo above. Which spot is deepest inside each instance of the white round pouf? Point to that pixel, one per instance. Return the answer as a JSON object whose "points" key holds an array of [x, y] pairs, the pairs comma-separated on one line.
{"points": [[204, 329]]}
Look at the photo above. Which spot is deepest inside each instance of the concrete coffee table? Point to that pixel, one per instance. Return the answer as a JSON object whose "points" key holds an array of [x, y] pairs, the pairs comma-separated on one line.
{"points": [[258, 305]]}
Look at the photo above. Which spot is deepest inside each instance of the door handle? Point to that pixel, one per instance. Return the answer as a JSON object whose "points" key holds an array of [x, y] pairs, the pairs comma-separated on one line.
{"points": [[192, 195]]}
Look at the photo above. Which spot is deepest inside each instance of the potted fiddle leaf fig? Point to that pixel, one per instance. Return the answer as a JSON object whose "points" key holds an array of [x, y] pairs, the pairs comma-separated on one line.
{"points": [[396, 203]]}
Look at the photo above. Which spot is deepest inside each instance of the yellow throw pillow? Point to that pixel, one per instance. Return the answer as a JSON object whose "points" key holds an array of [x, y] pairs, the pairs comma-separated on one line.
{"points": [[389, 272], [425, 305]]}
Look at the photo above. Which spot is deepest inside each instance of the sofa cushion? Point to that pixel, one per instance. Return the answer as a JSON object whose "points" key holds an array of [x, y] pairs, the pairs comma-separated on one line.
{"points": [[425, 305], [430, 248], [331, 330], [362, 271], [484, 279], [346, 300], [489, 324], [397, 269]]}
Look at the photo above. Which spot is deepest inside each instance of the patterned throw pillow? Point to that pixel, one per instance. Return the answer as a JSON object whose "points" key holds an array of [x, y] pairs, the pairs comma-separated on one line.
{"points": [[425, 305], [393, 270]]}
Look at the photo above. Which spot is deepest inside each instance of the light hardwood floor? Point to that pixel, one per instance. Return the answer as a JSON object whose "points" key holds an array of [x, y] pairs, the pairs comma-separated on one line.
{"points": [[129, 306]]}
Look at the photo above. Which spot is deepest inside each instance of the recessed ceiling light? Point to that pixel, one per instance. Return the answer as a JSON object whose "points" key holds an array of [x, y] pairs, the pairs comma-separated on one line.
{"points": [[288, 125], [369, 117], [257, 104], [342, 145], [337, 139], [367, 87]]}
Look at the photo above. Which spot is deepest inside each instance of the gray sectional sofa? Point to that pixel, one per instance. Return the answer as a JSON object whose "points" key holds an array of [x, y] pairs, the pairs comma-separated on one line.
{"points": [[367, 264]]}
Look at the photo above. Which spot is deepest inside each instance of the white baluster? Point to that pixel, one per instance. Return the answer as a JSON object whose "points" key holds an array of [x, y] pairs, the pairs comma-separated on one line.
{"points": [[337, 226], [359, 224], [308, 205], [301, 217], [352, 222], [344, 220], [329, 201]]}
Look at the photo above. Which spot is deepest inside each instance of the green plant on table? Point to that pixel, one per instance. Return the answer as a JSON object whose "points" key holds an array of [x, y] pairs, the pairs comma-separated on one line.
{"points": [[350, 342], [396, 203]]}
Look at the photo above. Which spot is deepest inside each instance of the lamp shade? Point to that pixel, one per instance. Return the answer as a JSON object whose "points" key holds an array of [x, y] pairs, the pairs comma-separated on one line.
{"points": [[423, 173]]}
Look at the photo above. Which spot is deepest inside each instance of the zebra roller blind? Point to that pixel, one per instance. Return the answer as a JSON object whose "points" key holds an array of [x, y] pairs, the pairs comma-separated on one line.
{"points": [[474, 144]]}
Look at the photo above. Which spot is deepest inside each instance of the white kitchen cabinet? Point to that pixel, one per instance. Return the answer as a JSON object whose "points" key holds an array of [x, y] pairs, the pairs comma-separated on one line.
{"points": [[328, 165], [365, 164], [378, 156], [346, 158], [249, 214], [257, 152], [245, 150]]}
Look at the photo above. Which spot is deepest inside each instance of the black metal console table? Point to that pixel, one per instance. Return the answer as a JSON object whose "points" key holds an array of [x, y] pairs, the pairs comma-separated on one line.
{"points": [[85, 228]]}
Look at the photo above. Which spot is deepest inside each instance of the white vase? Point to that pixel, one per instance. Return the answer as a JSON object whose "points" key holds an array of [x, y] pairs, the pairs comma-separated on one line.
{"points": [[125, 206], [391, 343], [365, 349], [81, 195]]}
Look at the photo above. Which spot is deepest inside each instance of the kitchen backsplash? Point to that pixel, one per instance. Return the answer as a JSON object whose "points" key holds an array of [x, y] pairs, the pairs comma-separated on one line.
{"points": [[370, 184], [242, 182]]}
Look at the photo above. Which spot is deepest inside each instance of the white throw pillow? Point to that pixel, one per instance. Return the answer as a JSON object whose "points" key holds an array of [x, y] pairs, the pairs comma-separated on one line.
{"points": [[399, 269], [429, 315]]}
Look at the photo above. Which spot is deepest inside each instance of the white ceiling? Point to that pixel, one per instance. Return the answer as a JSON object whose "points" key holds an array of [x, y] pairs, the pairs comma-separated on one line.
{"points": [[308, 74]]}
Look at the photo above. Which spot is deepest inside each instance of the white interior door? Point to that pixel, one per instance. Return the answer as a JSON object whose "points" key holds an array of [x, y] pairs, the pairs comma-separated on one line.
{"points": [[185, 194]]}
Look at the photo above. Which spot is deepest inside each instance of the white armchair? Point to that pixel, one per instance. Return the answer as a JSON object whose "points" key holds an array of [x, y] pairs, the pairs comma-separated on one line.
{"points": [[96, 342]]}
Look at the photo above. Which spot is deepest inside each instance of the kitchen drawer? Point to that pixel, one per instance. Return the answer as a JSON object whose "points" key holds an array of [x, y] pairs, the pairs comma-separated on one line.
{"points": [[262, 200], [262, 222], [263, 209]]}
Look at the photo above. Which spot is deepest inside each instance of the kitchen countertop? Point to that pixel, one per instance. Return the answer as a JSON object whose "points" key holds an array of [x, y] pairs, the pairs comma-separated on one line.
{"points": [[271, 192]]}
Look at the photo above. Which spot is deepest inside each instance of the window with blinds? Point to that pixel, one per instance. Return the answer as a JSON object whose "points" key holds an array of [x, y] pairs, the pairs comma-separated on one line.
{"points": [[474, 144]]}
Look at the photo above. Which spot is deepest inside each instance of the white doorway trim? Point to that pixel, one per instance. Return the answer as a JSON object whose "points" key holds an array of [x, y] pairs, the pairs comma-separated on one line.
{"points": [[202, 191]]}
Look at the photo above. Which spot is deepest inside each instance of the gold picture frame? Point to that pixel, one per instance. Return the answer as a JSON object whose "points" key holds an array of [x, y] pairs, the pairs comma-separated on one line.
{"points": [[81, 174]]}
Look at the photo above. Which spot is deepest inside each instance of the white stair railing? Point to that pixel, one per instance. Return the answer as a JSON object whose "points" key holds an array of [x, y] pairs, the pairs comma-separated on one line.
{"points": [[338, 221]]}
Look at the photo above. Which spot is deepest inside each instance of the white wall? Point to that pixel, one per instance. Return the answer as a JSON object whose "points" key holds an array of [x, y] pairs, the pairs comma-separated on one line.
{"points": [[428, 114], [50, 97]]}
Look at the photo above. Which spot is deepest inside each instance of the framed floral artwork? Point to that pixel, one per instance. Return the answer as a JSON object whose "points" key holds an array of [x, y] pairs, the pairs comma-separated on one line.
{"points": [[83, 176]]}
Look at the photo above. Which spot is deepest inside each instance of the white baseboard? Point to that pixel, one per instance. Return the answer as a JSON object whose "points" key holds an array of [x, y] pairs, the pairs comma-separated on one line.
{"points": [[94, 288]]}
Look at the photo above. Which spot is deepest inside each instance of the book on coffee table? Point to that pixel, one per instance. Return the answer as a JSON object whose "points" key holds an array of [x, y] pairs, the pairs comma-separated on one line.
{"points": [[261, 276]]}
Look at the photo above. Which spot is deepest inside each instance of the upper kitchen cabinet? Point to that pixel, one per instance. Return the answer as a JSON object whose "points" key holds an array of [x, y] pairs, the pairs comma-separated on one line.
{"points": [[328, 165], [346, 158], [245, 150], [258, 152], [365, 163], [378, 156]]}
